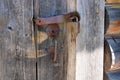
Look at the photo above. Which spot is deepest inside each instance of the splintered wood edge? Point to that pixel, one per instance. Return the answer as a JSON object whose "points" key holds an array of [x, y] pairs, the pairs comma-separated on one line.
{"points": [[114, 70], [115, 67]]}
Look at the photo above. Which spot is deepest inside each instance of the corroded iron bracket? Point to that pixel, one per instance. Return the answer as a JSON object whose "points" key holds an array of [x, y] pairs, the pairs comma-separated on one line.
{"points": [[69, 17]]}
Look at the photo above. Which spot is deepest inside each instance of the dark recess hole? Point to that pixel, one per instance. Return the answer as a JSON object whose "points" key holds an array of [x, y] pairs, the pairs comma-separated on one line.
{"points": [[53, 31], [74, 20], [26, 34], [10, 28]]}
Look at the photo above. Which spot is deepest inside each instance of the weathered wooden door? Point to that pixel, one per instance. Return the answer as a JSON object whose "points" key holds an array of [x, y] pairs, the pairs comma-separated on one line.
{"points": [[23, 44], [16, 28], [90, 40], [64, 68]]}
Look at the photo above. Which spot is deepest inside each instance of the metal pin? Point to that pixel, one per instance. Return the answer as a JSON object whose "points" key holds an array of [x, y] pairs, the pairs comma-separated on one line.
{"points": [[55, 52]]}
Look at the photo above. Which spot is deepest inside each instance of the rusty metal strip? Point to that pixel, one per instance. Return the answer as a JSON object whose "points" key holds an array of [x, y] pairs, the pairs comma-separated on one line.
{"points": [[69, 17], [49, 20], [52, 28]]}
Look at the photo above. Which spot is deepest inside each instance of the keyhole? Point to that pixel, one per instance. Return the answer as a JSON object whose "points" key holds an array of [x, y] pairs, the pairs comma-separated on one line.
{"points": [[53, 31], [74, 19]]}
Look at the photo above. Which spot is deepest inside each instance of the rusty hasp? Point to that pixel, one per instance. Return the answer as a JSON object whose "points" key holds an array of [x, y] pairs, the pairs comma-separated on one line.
{"points": [[69, 17], [53, 28], [52, 22]]}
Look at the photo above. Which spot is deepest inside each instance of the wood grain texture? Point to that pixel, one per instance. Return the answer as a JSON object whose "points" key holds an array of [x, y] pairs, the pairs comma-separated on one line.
{"points": [[107, 56], [115, 67], [113, 22], [64, 68], [15, 40], [71, 38], [47, 69], [115, 49], [71, 41], [90, 40], [113, 1]]}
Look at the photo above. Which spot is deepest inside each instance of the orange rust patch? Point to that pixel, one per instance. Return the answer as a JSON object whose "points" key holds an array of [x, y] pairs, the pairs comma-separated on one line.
{"points": [[113, 1], [114, 28], [115, 67], [41, 36]]}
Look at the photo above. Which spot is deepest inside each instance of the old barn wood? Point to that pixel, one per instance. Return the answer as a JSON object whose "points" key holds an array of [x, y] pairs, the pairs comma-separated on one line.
{"points": [[90, 40], [25, 46], [16, 28]]}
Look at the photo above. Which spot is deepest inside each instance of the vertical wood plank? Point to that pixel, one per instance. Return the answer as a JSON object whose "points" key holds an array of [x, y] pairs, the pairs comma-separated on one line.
{"points": [[16, 46], [47, 69], [90, 40], [71, 42], [71, 39], [64, 68]]}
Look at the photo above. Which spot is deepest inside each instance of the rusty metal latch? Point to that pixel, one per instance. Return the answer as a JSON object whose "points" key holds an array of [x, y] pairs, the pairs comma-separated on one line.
{"points": [[52, 29], [69, 17]]}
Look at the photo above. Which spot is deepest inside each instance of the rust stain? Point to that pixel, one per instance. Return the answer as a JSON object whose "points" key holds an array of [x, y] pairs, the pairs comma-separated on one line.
{"points": [[113, 1], [71, 15], [115, 67], [68, 17], [41, 36], [97, 11], [114, 27], [73, 31], [31, 55], [52, 30]]}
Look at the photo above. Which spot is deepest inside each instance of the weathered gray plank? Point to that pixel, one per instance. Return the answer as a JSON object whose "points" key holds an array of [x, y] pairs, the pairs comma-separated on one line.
{"points": [[47, 69], [64, 68], [90, 40], [16, 46]]}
